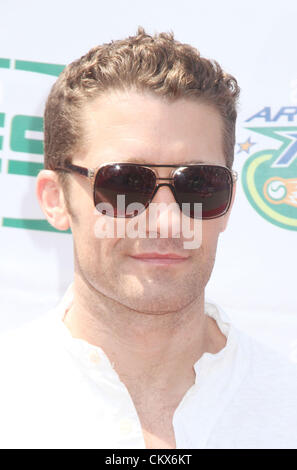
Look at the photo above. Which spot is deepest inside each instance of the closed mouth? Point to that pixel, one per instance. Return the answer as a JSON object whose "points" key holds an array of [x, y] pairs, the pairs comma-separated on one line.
{"points": [[160, 258]]}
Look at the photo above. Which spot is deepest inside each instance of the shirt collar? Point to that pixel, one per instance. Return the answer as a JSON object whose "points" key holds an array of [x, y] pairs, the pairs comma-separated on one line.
{"points": [[93, 355]]}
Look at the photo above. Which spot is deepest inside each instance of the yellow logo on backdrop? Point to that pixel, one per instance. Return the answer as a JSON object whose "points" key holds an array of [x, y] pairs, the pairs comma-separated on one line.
{"points": [[269, 176]]}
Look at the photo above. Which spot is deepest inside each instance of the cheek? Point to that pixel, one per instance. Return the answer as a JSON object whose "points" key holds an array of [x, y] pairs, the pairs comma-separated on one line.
{"points": [[95, 243], [211, 230]]}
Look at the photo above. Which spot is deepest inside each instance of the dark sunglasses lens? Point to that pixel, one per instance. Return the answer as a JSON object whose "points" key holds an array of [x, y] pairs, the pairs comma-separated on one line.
{"points": [[208, 185], [135, 185]]}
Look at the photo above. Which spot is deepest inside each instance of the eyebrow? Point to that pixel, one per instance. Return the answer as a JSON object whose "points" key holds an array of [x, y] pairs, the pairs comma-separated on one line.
{"points": [[142, 161]]}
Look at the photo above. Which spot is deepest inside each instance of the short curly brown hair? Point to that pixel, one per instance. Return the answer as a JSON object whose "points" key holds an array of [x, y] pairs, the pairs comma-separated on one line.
{"points": [[158, 64]]}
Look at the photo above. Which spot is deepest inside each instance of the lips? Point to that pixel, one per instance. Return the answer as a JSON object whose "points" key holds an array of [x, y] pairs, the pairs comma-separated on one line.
{"points": [[160, 258]]}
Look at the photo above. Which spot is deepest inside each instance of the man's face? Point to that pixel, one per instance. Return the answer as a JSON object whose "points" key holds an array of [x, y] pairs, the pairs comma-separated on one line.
{"points": [[125, 126]]}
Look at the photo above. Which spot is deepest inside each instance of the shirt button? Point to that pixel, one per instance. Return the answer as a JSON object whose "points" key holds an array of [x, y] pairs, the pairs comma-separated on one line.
{"points": [[95, 357], [126, 426]]}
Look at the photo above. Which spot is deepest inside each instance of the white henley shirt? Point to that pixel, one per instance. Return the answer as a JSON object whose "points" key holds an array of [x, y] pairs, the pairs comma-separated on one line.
{"points": [[61, 392]]}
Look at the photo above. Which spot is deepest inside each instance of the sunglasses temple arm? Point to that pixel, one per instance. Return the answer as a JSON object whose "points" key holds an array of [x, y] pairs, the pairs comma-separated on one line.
{"points": [[69, 167]]}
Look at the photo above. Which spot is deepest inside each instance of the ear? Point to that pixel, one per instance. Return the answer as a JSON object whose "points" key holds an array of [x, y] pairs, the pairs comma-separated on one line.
{"points": [[224, 220], [51, 199]]}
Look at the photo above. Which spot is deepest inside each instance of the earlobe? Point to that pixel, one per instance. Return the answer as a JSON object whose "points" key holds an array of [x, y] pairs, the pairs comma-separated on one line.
{"points": [[51, 199]]}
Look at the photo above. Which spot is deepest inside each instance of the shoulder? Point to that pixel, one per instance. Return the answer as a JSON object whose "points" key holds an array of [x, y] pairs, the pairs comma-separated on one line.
{"points": [[37, 378], [263, 410], [19, 343], [30, 356], [265, 363], [269, 387]]}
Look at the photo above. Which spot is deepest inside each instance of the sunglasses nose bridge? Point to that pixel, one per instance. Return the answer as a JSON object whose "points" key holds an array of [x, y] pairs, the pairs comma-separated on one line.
{"points": [[165, 215], [168, 185]]}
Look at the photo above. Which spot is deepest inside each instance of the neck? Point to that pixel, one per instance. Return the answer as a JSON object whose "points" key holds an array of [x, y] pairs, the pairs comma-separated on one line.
{"points": [[154, 350]]}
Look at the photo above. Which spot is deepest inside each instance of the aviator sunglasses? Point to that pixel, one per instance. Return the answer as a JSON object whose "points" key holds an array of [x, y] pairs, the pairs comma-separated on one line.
{"points": [[209, 185]]}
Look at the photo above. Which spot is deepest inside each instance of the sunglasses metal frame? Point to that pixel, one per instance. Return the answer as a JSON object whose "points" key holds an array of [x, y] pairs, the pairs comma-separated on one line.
{"points": [[91, 174]]}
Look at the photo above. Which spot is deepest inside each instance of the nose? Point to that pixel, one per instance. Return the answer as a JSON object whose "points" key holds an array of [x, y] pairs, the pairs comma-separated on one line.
{"points": [[164, 215], [164, 193]]}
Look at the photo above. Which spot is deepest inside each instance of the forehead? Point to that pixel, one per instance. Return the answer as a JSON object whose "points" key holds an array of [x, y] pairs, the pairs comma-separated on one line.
{"points": [[144, 128]]}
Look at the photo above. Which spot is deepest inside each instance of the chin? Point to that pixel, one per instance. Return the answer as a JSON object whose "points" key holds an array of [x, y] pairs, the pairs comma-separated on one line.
{"points": [[159, 303]]}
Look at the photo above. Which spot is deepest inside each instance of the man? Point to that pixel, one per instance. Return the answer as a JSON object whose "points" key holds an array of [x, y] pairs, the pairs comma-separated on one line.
{"points": [[134, 357]]}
